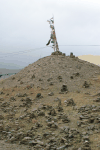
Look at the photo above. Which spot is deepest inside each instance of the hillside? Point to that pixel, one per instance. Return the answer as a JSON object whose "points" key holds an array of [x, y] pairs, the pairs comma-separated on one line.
{"points": [[53, 103]]}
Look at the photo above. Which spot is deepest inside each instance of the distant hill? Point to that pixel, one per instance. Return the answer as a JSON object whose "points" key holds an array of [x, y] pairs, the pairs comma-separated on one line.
{"points": [[6, 71], [95, 59]]}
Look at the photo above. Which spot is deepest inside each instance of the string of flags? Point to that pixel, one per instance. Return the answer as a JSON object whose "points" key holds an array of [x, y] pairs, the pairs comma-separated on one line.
{"points": [[53, 38]]}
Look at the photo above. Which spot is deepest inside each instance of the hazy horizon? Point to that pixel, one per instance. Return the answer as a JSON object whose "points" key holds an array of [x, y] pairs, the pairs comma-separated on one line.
{"points": [[90, 58]]}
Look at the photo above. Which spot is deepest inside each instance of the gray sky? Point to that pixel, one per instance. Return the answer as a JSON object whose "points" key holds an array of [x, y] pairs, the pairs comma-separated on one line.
{"points": [[24, 26]]}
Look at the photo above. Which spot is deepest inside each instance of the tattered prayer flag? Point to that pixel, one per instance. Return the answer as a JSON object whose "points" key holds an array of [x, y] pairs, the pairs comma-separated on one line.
{"points": [[52, 21], [53, 35]]}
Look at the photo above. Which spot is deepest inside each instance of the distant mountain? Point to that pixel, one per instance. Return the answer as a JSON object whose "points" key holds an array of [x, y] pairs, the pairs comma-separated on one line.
{"points": [[7, 71], [5, 65]]}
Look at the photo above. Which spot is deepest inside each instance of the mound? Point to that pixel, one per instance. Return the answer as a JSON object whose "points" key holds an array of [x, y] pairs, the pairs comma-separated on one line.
{"points": [[54, 70], [53, 103]]}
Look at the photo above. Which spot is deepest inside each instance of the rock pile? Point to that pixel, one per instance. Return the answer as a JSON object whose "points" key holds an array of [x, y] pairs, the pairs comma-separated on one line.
{"points": [[58, 53]]}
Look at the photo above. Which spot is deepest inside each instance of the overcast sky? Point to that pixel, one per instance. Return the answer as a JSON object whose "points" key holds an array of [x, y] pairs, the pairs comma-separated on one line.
{"points": [[24, 26]]}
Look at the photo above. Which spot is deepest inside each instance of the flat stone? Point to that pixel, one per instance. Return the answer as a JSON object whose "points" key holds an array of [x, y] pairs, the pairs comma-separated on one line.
{"points": [[33, 142], [13, 139], [57, 99], [83, 117], [51, 94], [52, 124], [25, 140], [40, 142]]}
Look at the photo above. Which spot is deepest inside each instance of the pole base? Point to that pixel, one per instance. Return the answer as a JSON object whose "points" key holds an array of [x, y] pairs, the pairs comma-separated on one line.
{"points": [[58, 53]]}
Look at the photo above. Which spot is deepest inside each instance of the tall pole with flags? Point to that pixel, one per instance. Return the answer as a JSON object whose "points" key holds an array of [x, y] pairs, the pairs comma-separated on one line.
{"points": [[53, 38]]}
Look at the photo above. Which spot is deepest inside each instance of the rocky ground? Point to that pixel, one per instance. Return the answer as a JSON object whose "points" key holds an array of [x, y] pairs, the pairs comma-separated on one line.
{"points": [[52, 104]]}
